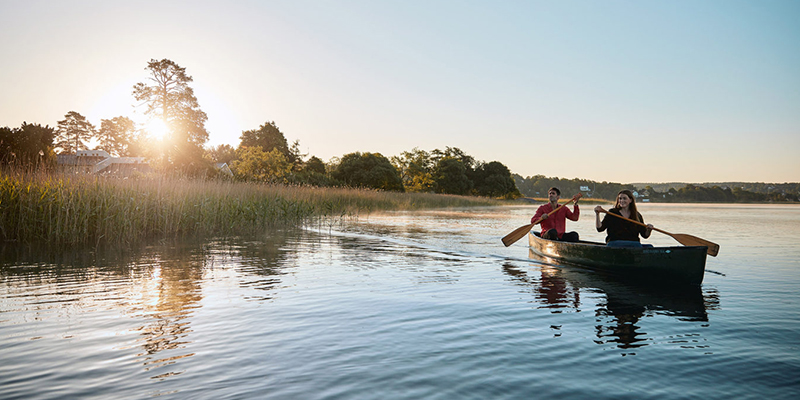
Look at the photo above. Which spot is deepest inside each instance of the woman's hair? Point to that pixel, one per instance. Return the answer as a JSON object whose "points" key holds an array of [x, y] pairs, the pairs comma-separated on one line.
{"points": [[632, 206]]}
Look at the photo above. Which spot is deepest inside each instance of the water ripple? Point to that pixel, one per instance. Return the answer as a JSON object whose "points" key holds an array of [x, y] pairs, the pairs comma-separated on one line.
{"points": [[399, 307]]}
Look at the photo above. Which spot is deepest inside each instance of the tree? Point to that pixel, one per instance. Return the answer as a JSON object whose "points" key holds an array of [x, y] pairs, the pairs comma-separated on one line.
{"points": [[415, 170], [312, 172], [314, 164], [169, 97], [223, 153], [268, 137], [115, 135], [296, 155], [450, 176], [141, 146], [8, 145], [255, 164], [454, 152], [29, 145], [370, 170], [494, 180], [73, 132]]}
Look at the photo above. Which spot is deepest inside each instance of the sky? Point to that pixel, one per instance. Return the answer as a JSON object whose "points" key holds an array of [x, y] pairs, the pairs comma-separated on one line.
{"points": [[617, 91]]}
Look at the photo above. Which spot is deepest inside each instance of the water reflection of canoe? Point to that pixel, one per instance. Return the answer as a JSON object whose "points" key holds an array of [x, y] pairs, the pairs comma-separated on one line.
{"points": [[620, 315], [674, 298], [680, 263]]}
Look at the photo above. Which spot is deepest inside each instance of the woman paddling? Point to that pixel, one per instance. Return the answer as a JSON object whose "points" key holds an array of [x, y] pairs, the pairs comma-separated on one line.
{"points": [[622, 233]]}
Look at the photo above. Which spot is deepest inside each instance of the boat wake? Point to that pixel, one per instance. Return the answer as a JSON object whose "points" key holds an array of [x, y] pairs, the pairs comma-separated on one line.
{"points": [[405, 242]]}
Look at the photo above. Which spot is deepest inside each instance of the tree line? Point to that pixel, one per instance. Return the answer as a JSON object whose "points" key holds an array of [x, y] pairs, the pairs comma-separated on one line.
{"points": [[786, 188], [537, 186], [262, 155], [717, 194]]}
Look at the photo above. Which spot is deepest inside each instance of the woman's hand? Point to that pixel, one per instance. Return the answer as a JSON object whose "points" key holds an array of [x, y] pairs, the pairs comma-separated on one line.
{"points": [[597, 223], [598, 210], [647, 231]]}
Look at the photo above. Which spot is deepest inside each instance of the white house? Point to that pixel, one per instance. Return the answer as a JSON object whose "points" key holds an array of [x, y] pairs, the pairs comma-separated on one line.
{"points": [[99, 161]]}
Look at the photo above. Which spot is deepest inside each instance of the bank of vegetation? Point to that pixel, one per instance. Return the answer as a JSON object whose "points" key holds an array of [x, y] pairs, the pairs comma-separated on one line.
{"points": [[731, 192], [691, 193], [62, 209], [173, 141], [53, 190]]}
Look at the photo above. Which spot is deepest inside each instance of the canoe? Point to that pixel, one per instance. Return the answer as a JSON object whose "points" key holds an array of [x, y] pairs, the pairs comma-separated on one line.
{"points": [[686, 264]]}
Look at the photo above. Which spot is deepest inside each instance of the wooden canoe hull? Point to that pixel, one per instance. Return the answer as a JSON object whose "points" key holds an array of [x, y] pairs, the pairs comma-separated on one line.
{"points": [[681, 263]]}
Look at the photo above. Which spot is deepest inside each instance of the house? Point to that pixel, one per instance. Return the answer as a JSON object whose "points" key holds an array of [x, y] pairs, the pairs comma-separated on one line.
{"points": [[224, 169], [100, 162]]}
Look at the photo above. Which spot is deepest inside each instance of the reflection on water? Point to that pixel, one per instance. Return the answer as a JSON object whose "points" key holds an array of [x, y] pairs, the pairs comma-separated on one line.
{"points": [[170, 291], [619, 316], [411, 305], [158, 287], [259, 262]]}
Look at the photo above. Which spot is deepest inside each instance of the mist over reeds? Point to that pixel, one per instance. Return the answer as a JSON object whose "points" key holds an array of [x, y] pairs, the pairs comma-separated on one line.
{"points": [[63, 209]]}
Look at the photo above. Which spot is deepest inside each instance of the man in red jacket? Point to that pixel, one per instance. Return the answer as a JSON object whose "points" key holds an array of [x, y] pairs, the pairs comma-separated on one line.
{"points": [[554, 226]]}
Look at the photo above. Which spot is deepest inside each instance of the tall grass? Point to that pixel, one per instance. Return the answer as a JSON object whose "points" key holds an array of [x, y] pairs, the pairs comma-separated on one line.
{"points": [[81, 209]]}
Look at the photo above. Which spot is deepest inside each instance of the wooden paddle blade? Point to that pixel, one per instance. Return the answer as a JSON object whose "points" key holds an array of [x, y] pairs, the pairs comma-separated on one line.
{"points": [[517, 234], [689, 240]]}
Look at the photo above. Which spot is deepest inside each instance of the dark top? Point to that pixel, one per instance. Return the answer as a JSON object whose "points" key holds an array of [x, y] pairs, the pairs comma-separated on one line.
{"points": [[619, 229]]}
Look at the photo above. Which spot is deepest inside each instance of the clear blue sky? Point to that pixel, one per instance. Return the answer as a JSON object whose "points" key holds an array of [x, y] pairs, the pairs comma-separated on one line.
{"points": [[622, 91]]}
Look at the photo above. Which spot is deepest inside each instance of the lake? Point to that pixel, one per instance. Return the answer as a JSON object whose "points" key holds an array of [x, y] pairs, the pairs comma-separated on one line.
{"points": [[405, 305]]}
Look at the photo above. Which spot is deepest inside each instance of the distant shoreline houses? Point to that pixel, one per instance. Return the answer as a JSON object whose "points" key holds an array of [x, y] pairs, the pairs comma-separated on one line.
{"points": [[100, 162]]}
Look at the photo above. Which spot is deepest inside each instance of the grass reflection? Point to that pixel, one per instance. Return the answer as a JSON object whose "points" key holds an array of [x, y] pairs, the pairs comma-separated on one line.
{"points": [[158, 288]]}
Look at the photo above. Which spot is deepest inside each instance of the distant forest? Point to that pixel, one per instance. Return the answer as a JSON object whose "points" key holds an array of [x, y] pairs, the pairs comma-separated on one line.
{"points": [[675, 192]]}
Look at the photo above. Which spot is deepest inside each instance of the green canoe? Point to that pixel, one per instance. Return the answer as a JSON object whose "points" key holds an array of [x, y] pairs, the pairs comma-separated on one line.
{"points": [[680, 263]]}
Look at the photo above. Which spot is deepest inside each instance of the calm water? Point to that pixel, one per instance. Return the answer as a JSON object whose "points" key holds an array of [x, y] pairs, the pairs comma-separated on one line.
{"points": [[405, 306]]}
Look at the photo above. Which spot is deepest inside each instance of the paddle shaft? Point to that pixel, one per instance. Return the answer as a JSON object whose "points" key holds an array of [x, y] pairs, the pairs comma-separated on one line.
{"points": [[635, 222], [551, 212], [686, 240]]}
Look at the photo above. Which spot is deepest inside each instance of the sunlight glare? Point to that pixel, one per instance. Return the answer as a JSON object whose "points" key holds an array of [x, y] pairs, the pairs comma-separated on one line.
{"points": [[157, 129]]}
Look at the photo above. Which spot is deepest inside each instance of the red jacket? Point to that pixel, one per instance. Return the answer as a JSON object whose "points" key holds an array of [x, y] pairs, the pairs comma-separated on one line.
{"points": [[558, 219]]}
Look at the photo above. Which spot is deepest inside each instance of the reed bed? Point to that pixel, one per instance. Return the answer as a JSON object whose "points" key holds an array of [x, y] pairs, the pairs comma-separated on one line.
{"points": [[81, 209]]}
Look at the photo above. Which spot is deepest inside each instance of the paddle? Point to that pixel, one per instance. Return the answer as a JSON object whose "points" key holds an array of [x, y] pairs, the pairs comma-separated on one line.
{"points": [[518, 233], [686, 240]]}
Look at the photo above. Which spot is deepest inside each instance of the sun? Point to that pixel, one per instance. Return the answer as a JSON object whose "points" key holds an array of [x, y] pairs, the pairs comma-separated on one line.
{"points": [[157, 129]]}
